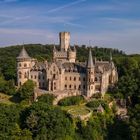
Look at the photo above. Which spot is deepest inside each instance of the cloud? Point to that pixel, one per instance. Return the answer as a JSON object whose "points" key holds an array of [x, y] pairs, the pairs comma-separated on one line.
{"points": [[66, 6]]}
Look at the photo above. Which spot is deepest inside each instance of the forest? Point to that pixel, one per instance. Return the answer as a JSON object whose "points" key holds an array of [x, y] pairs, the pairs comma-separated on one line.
{"points": [[23, 119]]}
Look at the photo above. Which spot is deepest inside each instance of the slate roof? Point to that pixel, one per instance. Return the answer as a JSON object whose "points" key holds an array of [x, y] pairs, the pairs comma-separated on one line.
{"points": [[74, 67], [23, 54], [90, 60]]}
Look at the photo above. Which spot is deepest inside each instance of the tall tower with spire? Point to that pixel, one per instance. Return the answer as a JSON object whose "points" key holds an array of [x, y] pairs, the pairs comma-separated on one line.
{"points": [[23, 67], [90, 76]]}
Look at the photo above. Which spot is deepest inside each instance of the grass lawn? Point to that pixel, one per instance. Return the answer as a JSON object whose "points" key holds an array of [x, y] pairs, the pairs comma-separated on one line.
{"points": [[5, 99], [77, 109]]}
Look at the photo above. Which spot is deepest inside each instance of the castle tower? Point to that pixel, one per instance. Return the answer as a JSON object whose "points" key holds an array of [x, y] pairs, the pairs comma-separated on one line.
{"points": [[23, 67], [64, 40], [71, 55], [114, 74], [90, 76]]}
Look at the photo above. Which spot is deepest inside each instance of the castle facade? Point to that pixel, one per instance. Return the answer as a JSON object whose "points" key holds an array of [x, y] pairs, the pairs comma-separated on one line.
{"points": [[66, 75]]}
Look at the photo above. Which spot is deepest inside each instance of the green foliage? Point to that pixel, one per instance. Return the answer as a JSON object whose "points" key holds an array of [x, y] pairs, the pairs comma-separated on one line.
{"points": [[95, 104], [7, 87], [48, 122], [134, 122], [46, 98], [74, 100], [26, 91], [9, 117], [119, 130]]}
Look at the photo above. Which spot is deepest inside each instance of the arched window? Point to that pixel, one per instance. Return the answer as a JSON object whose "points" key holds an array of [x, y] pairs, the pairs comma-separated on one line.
{"points": [[25, 75], [20, 74], [70, 86], [79, 87], [84, 79], [19, 64], [39, 84], [20, 83], [96, 79], [65, 86], [38, 76], [74, 78], [25, 65], [84, 87]]}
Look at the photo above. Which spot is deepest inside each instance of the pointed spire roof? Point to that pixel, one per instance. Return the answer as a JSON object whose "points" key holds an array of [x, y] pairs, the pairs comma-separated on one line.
{"points": [[23, 54], [90, 60]]}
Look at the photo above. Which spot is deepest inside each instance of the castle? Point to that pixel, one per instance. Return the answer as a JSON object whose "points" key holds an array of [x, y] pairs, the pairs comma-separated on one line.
{"points": [[66, 75]]}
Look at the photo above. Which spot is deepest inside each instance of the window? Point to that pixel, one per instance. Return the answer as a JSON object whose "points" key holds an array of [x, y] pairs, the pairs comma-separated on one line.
{"points": [[25, 76], [39, 84], [19, 65], [96, 79], [74, 86], [65, 86], [31, 76], [74, 78], [20, 74], [84, 87], [70, 86], [84, 79], [79, 79], [38, 76], [35, 76], [20, 83], [25, 65], [70, 78], [65, 78], [79, 87]]}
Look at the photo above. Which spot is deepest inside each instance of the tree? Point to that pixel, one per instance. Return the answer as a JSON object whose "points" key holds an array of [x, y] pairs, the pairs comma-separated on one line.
{"points": [[26, 91], [48, 122]]}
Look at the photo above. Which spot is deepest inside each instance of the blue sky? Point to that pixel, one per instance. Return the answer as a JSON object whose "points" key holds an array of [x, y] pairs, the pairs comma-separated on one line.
{"points": [[106, 23]]}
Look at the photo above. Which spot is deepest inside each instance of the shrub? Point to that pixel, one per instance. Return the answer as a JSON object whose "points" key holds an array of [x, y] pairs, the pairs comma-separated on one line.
{"points": [[47, 98], [95, 103], [74, 100]]}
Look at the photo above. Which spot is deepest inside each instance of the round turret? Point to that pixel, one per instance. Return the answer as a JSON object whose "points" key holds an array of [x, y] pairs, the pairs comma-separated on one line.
{"points": [[23, 67]]}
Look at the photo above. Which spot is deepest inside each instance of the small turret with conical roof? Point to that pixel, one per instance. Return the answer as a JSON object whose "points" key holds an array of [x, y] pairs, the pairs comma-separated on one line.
{"points": [[23, 54], [23, 67], [90, 76]]}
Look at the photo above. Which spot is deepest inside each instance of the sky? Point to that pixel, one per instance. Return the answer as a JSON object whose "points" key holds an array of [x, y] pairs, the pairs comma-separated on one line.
{"points": [[104, 23]]}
